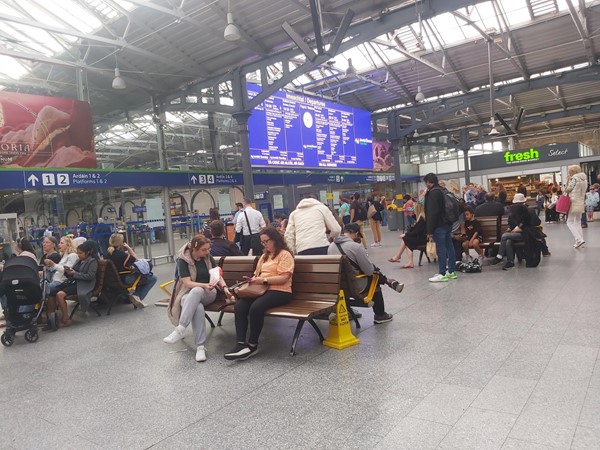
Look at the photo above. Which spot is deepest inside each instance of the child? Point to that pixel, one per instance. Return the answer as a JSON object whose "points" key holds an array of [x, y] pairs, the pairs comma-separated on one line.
{"points": [[472, 229]]}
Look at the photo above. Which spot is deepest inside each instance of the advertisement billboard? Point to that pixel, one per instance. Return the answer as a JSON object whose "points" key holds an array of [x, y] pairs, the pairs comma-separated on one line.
{"points": [[290, 129], [39, 131]]}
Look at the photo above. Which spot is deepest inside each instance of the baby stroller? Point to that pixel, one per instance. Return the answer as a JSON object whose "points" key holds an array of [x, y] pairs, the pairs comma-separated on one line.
{"points": [[24, 298]]}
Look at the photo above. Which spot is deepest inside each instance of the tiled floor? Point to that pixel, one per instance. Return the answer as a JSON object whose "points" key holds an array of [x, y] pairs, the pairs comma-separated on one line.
{"points": [[497, 360]]}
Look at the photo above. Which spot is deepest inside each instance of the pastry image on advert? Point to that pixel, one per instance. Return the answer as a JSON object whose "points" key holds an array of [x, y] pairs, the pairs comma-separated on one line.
{"points": [[38, 131]]}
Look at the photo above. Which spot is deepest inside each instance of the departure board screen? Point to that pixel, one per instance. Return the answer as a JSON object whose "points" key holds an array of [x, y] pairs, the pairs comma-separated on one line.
{"points": [[290, 129]]}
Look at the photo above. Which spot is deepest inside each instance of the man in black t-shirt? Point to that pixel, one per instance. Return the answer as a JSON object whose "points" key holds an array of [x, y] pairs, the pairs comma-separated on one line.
{"points": [[473, 232], [358, 215]]}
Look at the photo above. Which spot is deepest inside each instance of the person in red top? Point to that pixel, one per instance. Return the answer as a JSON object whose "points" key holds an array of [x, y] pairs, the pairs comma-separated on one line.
{"points": [[274, 270]]}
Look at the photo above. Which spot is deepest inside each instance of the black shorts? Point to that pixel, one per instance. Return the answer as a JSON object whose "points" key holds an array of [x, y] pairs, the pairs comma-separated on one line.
{"points": [[70, 289]]}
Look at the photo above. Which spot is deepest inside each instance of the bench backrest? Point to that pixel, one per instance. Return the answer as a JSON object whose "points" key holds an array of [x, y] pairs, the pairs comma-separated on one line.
{"points": [[489, 228], [236, 267], [317, 278], [112, 280]]}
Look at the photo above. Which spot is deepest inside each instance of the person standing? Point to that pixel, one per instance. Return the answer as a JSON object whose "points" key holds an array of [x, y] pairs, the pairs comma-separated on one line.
{"points": [[540, 199], [438, 230], [193, 290], [249, 223], [305, 233], [384, 211], [591, 201], [358, 215], [409, 211], [501, 193], [344, 213], [375, 220], [576, 188]]}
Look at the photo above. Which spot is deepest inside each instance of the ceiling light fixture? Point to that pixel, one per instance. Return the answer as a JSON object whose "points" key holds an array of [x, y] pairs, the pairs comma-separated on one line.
{"points": [[420, 97], [351, 70], [232, 32], [416, 134], [493, 131], [118, 81]]}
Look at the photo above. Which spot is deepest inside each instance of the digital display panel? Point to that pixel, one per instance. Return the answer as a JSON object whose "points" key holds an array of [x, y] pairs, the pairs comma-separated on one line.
{"points": [[290, 129]]}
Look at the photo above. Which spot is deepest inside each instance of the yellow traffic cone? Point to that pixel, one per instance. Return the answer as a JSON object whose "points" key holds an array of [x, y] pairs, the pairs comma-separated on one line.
{"points": [[340, 333]]}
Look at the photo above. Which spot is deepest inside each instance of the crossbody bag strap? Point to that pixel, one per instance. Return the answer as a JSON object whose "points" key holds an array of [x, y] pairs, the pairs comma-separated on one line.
{"points": [[248, 222], [349, 259]]}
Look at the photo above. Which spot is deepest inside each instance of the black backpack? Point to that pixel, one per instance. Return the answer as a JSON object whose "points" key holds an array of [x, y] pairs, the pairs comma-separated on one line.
{"points": [[361, 211], [451, 210]]}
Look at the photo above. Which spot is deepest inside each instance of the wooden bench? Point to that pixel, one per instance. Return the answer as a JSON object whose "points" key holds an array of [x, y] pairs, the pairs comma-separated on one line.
{"points": [[95, 293], [316, 286], [108, 288]]}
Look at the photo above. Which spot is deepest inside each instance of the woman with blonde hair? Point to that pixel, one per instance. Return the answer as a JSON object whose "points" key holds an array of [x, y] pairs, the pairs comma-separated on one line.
{"points": [[576, 189], [68, 260], [415, 236]]}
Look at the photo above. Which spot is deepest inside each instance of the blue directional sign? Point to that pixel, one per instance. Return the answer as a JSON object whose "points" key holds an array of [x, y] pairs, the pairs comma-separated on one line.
{"points": [[103, 179]]}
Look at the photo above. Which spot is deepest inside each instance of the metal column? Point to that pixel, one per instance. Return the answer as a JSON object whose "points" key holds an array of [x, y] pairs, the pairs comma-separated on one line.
{"points": [[159, 121]]}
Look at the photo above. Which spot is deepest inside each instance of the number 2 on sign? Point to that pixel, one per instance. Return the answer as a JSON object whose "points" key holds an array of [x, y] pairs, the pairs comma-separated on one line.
{"points": [[63, 179]]}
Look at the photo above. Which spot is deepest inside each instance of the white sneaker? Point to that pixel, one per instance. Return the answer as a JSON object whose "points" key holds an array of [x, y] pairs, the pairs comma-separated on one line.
{"points": [[438, 278], [136, 301], [201, 353], [374, 244], [175, 336]]}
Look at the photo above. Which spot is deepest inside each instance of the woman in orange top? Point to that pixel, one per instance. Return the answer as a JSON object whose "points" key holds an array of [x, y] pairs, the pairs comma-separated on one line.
{"points": [[274, 269]]}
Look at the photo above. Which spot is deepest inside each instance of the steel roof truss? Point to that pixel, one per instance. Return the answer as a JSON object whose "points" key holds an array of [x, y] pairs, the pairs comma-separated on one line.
{"points": [[578, 16]]}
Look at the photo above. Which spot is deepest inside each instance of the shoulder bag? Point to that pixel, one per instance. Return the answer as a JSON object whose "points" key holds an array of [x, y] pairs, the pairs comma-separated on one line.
{"points": [[244, 289], [563, 204]]}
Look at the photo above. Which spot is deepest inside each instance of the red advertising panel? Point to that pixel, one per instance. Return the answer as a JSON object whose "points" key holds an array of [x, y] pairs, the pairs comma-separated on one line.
{"points": [[383, 160], [37, 131]]}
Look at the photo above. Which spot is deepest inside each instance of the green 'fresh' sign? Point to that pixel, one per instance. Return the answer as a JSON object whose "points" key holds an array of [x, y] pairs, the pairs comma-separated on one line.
{"points": [[516, 157]]}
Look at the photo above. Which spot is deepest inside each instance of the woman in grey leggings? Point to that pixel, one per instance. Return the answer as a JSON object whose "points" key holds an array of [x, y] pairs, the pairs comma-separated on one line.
{"points": [[193, 290]]}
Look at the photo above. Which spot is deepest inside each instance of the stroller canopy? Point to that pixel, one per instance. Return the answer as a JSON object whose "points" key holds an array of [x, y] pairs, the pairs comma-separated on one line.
{"points": [[21, 268]]}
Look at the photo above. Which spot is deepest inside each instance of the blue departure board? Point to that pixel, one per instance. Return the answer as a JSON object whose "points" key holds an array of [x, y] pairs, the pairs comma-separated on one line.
{"points": [[290, 129]]}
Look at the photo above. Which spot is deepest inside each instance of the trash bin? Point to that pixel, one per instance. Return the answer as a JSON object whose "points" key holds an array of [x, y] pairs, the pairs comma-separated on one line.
{"points": [[396, 220]]}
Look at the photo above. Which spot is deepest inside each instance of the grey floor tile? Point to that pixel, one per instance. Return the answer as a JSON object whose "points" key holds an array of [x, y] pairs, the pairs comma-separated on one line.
{"points": [[590, 413], [414, 434], [127, 389], [517, 444], [445, 404], [504, 394], [586, 439], [479, 429], [551, 413]]}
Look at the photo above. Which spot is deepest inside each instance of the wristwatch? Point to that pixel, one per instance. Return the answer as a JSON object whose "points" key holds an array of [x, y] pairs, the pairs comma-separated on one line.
{"points": [[265, 281]]}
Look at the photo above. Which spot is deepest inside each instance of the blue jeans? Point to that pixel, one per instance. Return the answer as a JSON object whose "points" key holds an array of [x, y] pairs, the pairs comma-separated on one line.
{"points": [[141, 290], [445, 249], [384, 218]]}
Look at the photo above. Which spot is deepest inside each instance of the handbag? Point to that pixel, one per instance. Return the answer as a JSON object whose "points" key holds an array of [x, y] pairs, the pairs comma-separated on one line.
{"points": [[371, 212], [244, 289], [563, 204], [431, 250]]}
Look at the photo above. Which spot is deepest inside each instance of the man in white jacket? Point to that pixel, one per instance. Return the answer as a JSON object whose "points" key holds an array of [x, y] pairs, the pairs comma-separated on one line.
{"points": [[306, 232]]}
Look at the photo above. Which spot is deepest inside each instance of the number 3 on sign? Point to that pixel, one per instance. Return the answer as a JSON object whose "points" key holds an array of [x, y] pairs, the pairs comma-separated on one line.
{"points": [[202, 179], [62, 179]]}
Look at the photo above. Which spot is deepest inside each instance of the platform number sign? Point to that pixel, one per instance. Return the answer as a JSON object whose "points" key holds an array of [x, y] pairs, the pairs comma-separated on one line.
{"points": [[48, 179], [62, 179], [206, 179]]}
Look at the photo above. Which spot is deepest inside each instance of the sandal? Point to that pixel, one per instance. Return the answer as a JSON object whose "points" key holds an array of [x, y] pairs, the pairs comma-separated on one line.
{"points": [[406, 266], [393, 260]]}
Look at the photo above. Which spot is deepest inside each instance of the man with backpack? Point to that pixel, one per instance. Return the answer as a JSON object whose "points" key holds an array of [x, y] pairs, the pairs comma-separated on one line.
{"points": [[358, 215], [441, 210]]}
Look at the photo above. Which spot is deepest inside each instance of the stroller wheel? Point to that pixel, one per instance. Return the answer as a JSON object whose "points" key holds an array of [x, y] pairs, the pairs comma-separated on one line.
{"points": [[7, 339], [32, 335]]}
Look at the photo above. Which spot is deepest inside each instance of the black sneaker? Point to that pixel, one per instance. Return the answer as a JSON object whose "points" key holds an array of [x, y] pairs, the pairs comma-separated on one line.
{"points": [[509, 265], [395, 285], [382, 319], [547, 254], [241, 352], [496, 261]]}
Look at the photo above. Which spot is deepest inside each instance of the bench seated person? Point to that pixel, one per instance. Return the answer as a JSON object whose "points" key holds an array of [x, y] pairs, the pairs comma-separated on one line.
{"points": [[519, 219], [346, 245]]}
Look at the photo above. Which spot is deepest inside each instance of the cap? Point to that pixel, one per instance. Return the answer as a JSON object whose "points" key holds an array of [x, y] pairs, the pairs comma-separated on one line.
{"points": [[519, 198]]}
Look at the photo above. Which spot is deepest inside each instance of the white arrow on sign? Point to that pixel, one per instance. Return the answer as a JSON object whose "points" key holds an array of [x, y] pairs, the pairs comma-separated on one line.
{"points": [[194, 179], [33, 179]]}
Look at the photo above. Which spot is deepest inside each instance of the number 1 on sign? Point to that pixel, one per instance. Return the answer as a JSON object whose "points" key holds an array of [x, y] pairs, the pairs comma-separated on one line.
{"points": [[48, 179]]}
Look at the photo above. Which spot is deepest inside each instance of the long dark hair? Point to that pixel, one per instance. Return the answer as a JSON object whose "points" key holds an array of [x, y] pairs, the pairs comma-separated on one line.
{"points": [[278, 241]]}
